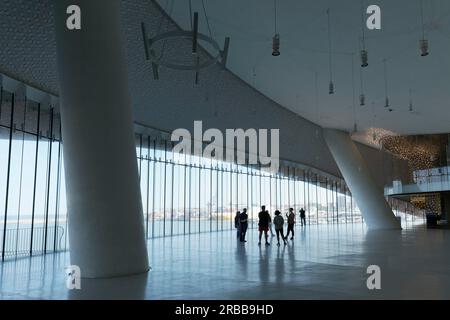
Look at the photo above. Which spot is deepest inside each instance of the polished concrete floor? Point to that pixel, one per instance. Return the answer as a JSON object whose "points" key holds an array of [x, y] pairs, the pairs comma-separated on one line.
{"points": [[323, 262]]}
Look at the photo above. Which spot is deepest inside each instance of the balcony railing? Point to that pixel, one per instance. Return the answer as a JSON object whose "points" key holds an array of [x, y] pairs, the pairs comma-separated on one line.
{"points": [[424, 181], [17, 241]]}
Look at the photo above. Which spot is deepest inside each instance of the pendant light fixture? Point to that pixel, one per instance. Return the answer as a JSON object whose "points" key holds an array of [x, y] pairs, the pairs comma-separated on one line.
{"points": [[364, 54], [154, 47], [276, 37], [196, 78], [331, 85], [423, 42], [316, 93], [411, 108], [362, 96], [355, 125], [386, 101]]}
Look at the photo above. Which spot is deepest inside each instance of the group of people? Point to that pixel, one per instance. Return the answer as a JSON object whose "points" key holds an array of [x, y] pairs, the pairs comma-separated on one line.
{"points": [[265, 224]]}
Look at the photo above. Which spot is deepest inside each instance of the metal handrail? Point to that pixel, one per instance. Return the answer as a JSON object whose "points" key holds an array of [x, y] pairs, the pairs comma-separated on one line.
{"points": [[18, 240]]}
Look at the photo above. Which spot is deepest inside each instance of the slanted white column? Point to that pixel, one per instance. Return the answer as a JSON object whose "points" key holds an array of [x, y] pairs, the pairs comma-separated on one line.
{"points": [[370, 199], [106, 226]]}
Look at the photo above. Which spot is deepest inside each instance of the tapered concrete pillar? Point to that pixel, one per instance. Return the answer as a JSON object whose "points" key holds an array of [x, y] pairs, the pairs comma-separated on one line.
{"points": [[369, 198], [106, 225]]}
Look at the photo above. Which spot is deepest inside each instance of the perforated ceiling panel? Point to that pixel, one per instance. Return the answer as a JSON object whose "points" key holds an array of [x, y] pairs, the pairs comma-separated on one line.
{"points": [[221, 99], [27, 42]]}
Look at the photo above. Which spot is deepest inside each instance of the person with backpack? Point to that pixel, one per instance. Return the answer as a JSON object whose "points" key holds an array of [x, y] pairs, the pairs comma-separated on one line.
{"points": [[264, 221], [278, 221], [237, 224], [243, 223], [291, 223]]}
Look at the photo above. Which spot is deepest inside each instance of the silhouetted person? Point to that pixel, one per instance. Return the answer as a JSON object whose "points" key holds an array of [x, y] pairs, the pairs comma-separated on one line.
{"points": [[278, 221], [237, 224], [264, 221], [302, 217], [243, 223], [291, 223]]}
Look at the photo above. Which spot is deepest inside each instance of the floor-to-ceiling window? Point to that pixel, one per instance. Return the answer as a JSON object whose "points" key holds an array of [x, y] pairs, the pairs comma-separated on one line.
{"points": [[181, 194], [32, 193], [193, 194], [322, 203]]}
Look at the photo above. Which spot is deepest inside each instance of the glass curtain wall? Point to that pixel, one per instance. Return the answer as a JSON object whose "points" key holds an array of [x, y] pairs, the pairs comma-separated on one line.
{"points": [[408, 214], [32, 196], [181, 194], [189, 194]]}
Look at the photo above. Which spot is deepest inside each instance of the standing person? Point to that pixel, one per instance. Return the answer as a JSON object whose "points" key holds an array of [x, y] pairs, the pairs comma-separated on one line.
{"points": [[237, 224], [264, 221], [291, 223], [278, 221], [243, 223], [302, 217]]}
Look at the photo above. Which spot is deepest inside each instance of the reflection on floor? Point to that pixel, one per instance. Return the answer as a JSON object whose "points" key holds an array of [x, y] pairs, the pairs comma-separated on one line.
{"points": [[323, 262]]}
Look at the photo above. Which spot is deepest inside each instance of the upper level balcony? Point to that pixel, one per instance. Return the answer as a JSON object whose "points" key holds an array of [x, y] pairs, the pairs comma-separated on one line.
{"points": [[423, 181]]}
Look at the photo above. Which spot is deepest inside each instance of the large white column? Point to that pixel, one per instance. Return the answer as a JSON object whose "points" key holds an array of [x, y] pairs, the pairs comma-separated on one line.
{"points": [[370, 199], [106, 226]]}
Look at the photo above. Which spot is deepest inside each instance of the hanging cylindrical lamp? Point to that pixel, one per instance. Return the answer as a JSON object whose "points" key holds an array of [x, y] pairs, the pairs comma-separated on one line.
{"points": [[364, 53], [386, 101], [364, 58], [424, 48], [362, 100], [331, 88], [195, 34], [362, 96], [331, 84], [410, 101], [276, 37], [423, 42], [276, 45]]}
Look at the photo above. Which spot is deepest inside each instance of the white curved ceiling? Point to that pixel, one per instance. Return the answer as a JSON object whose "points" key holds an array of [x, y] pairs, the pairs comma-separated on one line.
{"points": [[290, 79]]}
